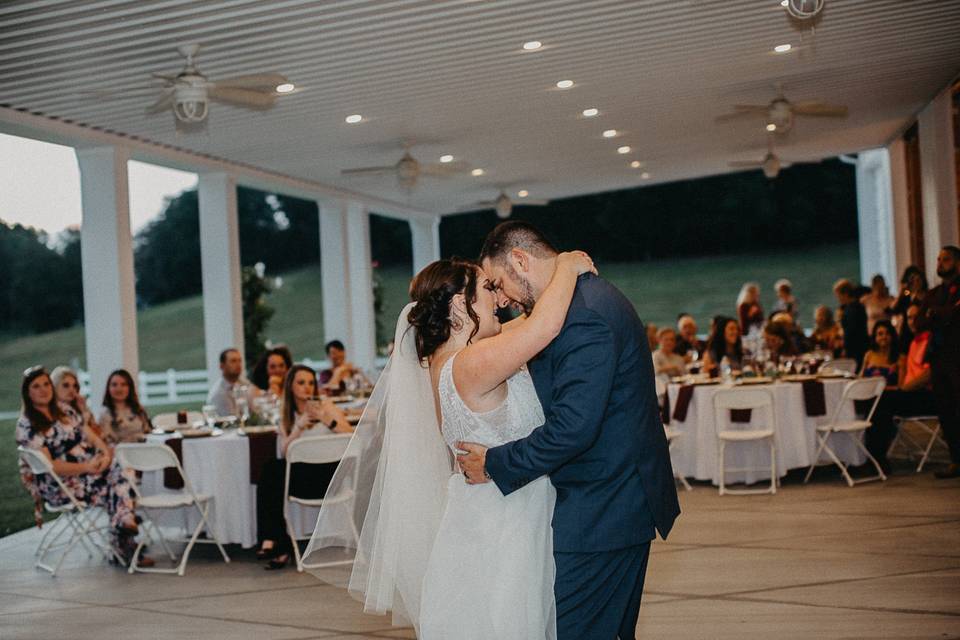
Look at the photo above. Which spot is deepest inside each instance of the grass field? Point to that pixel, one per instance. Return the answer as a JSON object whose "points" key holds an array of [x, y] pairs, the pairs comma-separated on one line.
{"points": [[171, 335]]}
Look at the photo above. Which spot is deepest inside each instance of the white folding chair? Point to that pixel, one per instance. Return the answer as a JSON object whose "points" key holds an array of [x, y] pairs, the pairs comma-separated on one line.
{"points": [[860, 389], [929, 426], [756, 400], [168, 421], [672, 432], [840, 365], [155, 456], [74, 518], [320, 449]]}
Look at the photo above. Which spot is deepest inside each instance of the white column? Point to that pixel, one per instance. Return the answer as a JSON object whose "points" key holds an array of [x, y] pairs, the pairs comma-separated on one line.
{"points": [[220, 268], [938, 180], [109, 294], [363, 345], [334, 276], [875, 216], [901, 206], [425, 235]]}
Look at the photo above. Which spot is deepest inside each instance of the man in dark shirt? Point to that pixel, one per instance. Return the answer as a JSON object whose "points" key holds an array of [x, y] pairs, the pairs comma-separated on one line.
{"points": [[940, 314], [853, 319]]}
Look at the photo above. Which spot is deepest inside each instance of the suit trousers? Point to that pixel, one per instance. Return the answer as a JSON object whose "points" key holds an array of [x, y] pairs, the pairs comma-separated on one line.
{"points": [[946, 389], [598, 594]]}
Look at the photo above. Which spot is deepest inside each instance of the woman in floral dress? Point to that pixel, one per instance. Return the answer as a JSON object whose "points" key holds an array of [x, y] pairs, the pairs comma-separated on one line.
{"points": [[81, 458]]}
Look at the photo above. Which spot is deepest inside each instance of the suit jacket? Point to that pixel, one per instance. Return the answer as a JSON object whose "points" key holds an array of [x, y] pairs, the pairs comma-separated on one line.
{"points": [[602, 444], [854, 323]]}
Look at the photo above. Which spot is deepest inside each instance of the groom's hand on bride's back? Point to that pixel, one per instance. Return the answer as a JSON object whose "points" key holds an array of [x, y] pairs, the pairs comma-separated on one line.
{"points": [[472, 462]]}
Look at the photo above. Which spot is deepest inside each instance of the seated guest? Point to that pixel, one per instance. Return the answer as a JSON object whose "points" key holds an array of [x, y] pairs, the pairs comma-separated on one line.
{"points": [[687, 341], [883, 358], [825, 330], [913, 289], [878, 302], [122, 418], [724, 342], [271, 369], [779, 342], [786, 302], [302, 412], [79, 456], [853, 320], [665, 361], [221, 394], [340, 369], [67, 387], [800, 342], [749, 311]]}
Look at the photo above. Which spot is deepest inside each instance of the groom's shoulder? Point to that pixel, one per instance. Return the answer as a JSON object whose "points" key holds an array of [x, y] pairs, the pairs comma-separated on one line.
{"points": [[599, 296]]}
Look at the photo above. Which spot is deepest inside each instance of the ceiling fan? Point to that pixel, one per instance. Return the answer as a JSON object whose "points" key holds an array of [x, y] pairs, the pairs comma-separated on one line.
{"points": [[780, 112], [503, 204], [771, 164], [189, 92], [408, 169]]}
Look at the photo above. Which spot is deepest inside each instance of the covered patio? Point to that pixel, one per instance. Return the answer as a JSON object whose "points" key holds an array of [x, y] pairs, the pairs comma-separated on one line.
{"points": [[532, 100]]}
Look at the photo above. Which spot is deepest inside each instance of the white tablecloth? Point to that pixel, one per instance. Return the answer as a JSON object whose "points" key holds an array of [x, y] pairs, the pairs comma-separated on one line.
{"points": [[694, 454], [220, 467]]}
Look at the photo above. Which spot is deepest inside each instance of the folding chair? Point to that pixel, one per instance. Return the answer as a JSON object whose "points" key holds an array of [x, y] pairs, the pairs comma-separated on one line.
{"points": [[755, 400], [840, 365], [155, 456], [861, 389], [929, 425], [319, 450], [76, 519], [672, 432]]}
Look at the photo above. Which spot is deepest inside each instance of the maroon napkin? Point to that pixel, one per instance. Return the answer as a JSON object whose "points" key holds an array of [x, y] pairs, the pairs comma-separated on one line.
{"points": [[665, 408], [171, 477], [814, 400], [740, 415], [683, 402], [263, 447]]}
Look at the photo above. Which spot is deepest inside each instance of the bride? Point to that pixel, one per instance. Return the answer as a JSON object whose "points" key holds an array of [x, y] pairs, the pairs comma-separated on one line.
{"points": [[454, 560]]}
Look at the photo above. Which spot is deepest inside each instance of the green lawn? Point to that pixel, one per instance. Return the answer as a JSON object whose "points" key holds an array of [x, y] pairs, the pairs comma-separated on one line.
{"points": [[171, 335]]}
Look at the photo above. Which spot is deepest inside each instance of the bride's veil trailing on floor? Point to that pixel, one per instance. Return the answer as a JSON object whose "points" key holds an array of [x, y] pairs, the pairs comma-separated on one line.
{"points": [[401, 465]]}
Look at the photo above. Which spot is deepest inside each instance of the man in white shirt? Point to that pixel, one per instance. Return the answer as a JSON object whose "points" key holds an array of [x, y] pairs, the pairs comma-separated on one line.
{"points": [[221, 394]]}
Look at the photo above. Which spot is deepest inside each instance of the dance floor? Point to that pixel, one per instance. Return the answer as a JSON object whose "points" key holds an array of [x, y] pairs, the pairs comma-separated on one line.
{"points": [[817, 561]]}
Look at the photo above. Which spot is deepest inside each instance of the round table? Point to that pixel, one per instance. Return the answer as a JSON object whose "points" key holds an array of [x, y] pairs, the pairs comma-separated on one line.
{"points": [[694, 453]]}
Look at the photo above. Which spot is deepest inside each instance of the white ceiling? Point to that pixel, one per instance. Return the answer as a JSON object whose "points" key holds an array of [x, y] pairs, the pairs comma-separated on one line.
{"points": [[452, 75]]}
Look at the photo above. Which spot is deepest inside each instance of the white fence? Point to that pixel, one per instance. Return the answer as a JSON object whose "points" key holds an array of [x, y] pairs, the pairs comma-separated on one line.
{"points": [[173, 385]]}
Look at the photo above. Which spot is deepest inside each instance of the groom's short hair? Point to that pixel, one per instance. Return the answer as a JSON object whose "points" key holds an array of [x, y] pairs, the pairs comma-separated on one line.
{"points": [[516, 234]]}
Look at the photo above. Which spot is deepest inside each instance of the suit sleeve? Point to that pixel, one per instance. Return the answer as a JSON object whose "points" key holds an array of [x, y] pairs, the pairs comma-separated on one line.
{"points": [[584, 366]]}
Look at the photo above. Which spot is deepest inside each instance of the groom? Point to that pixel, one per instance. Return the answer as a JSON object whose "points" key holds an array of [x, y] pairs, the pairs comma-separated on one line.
{"points": [[602, 444]]}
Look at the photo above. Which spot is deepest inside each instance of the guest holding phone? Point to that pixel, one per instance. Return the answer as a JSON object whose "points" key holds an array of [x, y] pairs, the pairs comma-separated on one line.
{"points": [[302, 412]]}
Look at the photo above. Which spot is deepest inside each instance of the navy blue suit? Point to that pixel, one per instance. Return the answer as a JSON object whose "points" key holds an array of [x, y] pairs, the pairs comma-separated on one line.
{"points": [[604, 447]]}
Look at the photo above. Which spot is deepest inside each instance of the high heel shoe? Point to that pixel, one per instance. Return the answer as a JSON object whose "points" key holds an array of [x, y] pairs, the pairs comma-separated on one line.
{"points": [[278, 563], [267, 554]]}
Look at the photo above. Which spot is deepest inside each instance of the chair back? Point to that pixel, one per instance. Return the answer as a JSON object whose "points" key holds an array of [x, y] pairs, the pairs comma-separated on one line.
{"points": [[35, 459], [146, 456], [841, 365], [861, 389], [320, 449], [727, 400]]}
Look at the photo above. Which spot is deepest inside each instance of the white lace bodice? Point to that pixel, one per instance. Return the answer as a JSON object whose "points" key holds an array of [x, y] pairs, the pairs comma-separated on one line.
{"points": [[519, 414]]}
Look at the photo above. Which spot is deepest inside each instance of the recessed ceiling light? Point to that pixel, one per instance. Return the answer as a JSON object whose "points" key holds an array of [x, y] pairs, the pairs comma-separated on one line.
{"points": [[591, 112], [610, 133], [533, 45], [783, 48], [645, 175], [623, 149], [477, 172], [564, 84], [354, 119], [636, 164], [523, 193], [286, 87], [446, 158], [771, 127]]}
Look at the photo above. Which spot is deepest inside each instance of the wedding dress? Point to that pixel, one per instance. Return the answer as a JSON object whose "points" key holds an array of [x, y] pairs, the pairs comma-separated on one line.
{"points": [[453, 560], [490, 573]]}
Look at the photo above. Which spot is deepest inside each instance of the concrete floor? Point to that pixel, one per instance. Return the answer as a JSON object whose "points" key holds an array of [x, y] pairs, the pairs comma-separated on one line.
{"points": [[815, 561]]}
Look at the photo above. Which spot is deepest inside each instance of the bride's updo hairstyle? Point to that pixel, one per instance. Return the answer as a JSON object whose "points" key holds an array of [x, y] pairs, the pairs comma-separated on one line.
{"points": [[432, 290]]}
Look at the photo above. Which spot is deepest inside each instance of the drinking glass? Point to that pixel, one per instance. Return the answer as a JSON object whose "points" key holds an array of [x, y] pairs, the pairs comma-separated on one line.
{"points": [[209, 415]]}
